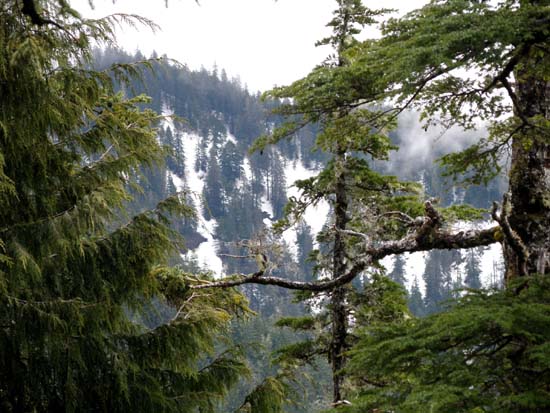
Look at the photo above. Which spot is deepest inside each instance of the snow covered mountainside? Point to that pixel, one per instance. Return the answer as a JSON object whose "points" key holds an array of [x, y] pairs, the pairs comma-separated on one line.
{"points": [[238, 196], [253, 175]]}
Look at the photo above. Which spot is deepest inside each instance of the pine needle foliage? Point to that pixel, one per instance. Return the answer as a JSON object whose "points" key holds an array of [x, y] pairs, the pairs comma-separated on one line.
{"points": [[462, 62], [269, 396], [352, 135], [489, 353], [453, 61], [72, 266]]}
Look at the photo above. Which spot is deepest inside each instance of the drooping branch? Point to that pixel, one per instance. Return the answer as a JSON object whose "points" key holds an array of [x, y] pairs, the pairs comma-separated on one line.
{"points": [[428, 235]]}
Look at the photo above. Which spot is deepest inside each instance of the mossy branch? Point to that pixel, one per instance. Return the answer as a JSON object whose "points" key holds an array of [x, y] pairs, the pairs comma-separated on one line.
{"points": [[428, 234]]}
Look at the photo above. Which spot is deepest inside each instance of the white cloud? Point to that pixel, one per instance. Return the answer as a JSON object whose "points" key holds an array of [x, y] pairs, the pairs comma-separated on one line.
{"points": [[264, 42]]}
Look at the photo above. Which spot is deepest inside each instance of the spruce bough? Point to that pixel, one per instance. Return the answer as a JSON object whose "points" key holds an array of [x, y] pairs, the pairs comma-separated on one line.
{"points": [[75, 272]]}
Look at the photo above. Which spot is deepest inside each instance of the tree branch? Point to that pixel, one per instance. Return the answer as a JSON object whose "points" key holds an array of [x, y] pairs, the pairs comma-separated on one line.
{"points": [[29, 9], [429, 236]]}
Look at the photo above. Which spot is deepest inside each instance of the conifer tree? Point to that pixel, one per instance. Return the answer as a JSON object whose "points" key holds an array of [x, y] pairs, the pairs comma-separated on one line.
{"points": [[488, 352], [436, 276], [75, 272], [213, 192], [458, 62], [397, 273], [416, 302], [277, 185], [472, 270], [304, 240], [231, 166], [349, 136], [176, 160]]}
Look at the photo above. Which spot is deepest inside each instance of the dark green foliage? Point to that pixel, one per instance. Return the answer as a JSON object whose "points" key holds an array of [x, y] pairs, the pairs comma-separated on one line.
{"points": [[438, 279], [213, 192], [268, 397], [416, 302], [488, 354], [472, 270], [74, 266], [380, 301], [377, 302]]}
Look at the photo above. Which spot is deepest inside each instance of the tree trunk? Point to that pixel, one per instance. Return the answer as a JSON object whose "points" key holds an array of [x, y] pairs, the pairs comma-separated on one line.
{"points": [[338, 301], [530, 177]]}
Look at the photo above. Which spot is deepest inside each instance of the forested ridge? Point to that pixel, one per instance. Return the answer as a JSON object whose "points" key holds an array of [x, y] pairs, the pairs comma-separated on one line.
{"points": [[172, 242]]}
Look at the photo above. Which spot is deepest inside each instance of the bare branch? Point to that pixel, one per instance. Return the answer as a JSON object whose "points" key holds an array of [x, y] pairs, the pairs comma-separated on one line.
{"points": [[249, 256], [400, 216], [185, 303], [353, 233], [258, 278]]}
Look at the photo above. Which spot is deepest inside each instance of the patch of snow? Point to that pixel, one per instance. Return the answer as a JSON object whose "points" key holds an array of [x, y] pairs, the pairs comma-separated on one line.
{"points": [[177, 181], [315, 216], [267, 207], [247, 169], [167, 112], [230, 137], [206, 252], [458, 195], [290, 237], [388, 263], [491, 259], [491, 265], [415, 264]]}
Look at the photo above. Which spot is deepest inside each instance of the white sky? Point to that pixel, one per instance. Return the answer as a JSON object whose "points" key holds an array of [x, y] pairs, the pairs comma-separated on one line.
{"points": [[264, 42]]}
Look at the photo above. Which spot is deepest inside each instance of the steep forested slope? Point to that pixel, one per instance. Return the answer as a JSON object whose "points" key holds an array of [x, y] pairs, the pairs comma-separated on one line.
{"points": [[211, 123], [239, 195]]}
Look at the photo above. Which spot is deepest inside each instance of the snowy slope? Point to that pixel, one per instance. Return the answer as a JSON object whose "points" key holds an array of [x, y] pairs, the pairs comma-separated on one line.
{"points": [[315, 216], [206, 252]]}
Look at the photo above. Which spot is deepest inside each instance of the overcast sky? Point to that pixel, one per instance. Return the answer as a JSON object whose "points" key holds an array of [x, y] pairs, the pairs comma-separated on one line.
{"points": [[264, 42]]}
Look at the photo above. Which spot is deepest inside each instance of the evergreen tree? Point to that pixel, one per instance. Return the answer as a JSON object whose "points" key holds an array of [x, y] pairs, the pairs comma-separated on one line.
{"points": [[397, 274], [201, 160], [213, 192], [277, 185], [507, 52], [488, 352], [348, 183], [472, 270], [436, 276], [72, 269], [416, 302], [176, 159], [231, 166]]}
